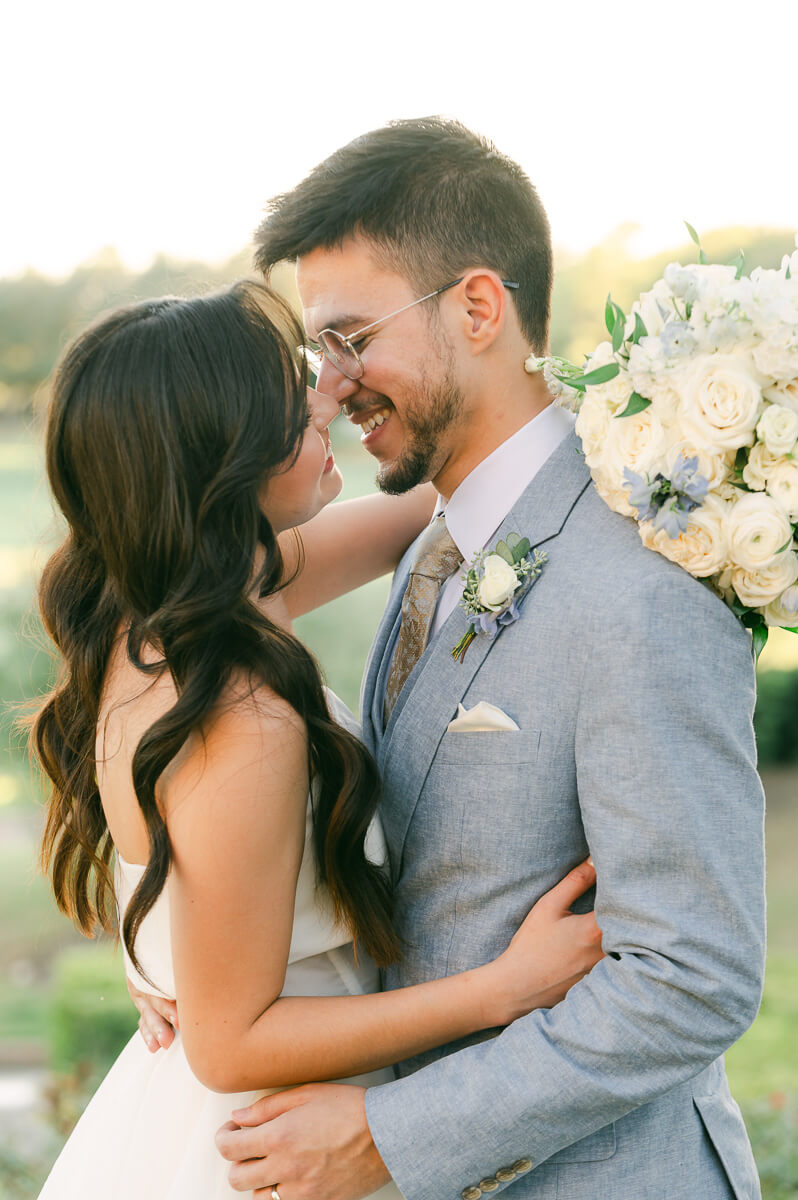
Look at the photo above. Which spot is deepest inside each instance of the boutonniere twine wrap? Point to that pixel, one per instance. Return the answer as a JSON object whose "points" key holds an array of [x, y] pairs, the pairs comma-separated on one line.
{"points": [[495, 584], [688, 418]]}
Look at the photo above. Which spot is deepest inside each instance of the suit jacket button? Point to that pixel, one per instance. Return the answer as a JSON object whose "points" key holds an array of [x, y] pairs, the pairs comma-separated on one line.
{"points": [[489, 1185], [505, 1174], [522, 1165], [471, 1193]]}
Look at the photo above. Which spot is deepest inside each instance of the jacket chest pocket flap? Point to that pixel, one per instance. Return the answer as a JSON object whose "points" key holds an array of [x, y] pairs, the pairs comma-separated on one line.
{"points": [[487, 747]]}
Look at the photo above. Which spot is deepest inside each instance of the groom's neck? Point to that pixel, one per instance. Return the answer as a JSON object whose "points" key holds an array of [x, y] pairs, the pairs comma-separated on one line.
{"points": [[490, 421]]}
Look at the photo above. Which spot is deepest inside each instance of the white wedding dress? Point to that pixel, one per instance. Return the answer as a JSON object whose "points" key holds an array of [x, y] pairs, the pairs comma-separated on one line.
{"points": [[148, 1132]]}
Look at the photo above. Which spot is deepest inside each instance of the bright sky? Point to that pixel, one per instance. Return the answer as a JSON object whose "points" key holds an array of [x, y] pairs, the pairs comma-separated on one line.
{"points": [[166, 126]]}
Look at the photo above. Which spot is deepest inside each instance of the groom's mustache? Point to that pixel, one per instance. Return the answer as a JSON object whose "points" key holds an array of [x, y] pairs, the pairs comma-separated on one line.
{"points": [[357, 411]]}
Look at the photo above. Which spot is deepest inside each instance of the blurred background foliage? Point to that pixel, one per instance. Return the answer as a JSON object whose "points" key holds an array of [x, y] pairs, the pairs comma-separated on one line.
{"points": [[64, 1010]]}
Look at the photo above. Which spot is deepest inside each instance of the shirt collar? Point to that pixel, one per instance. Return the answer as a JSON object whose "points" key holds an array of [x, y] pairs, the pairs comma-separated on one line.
{"points": [[484, 498]]}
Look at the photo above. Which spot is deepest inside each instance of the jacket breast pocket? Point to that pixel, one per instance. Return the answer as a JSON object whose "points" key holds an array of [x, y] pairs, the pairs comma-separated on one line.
{"points": [[489, 746]]}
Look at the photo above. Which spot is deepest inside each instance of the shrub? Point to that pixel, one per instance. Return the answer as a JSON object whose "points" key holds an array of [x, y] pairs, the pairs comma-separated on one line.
{"points": [[773, 1129], [774, 720], [92, 1016]]}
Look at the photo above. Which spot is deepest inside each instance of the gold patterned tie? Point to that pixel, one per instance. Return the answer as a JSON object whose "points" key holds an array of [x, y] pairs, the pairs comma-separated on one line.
{"points": [[436, 558]]}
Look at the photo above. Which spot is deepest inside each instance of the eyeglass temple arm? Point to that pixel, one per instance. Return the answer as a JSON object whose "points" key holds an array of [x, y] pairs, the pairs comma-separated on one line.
{"points": [[353, 336]]}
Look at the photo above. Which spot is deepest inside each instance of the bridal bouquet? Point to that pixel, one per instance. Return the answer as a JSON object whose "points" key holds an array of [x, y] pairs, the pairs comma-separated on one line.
{"points": [[688, 417]]}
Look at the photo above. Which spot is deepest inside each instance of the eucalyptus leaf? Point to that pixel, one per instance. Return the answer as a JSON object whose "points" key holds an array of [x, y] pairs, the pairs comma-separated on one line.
{"points": [[609, 315], [513, 539], [639, 330], [637, 404], [520, 550], [693, 233], [571, 381], [504, 551], [600, 375], [760, 636], [739, 262], [617, 334]]}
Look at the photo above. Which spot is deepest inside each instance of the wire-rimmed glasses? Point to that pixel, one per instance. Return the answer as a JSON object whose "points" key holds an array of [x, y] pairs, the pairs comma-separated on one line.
{"points": [[342, 352]]}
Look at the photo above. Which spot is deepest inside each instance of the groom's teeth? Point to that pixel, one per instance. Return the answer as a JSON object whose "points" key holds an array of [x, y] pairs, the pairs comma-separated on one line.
{"points": [[371, 423]]}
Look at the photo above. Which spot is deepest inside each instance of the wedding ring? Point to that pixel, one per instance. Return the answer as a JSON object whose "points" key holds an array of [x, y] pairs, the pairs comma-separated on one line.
{"points": [[275, 1194]]}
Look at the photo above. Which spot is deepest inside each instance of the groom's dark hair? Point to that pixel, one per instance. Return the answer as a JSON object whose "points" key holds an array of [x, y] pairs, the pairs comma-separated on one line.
{"points": [[435, 199]]}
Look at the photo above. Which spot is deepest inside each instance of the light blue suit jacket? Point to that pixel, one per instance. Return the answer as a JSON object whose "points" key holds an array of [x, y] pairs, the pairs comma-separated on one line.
{"points": [[633, 689]]}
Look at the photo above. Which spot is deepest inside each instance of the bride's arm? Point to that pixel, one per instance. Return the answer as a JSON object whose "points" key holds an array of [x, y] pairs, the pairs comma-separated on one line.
{"points": [[350, 543], [236, 817]]}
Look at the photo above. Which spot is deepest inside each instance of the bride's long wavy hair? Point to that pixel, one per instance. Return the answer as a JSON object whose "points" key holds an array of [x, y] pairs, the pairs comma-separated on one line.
{"points": [[166, 418]]}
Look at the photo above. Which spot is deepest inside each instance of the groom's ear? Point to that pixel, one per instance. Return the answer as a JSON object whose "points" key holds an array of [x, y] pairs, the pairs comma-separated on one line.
{"points": [[483, 309]]}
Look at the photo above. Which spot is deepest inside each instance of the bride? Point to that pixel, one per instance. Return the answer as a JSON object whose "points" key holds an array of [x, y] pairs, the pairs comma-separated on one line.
{"points": [[205, 786]]}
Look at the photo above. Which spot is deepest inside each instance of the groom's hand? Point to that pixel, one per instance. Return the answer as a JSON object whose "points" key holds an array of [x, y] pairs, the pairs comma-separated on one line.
{"points": [[311, 1142]]}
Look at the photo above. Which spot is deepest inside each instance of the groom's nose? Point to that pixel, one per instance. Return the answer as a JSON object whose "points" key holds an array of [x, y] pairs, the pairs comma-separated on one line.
{"points": [[333, 383]]}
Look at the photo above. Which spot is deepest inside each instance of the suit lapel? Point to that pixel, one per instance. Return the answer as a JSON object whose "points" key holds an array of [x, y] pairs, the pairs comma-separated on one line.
{"points": [[438, 683]]}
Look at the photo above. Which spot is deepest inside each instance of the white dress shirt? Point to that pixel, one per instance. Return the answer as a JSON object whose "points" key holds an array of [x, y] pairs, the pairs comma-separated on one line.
{"points": [[484, 498]]}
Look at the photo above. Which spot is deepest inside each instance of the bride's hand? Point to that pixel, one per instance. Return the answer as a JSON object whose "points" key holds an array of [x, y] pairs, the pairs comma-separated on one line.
{"points": [[157, 1018], [553, 949]]}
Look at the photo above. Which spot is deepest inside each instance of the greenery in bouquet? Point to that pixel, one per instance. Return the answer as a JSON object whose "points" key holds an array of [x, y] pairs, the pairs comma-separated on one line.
{"points": [[688, 417]]}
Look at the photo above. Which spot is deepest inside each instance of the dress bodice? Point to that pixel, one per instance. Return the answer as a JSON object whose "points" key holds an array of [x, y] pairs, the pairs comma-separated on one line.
{"points": [[320, 956]]}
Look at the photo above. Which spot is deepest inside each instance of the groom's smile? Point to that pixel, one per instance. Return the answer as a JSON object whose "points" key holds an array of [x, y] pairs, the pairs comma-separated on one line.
{"points": [[404, 399]]}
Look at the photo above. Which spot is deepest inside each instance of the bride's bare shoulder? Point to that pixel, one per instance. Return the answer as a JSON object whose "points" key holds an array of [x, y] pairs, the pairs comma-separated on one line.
{"points": [[248, 728]]}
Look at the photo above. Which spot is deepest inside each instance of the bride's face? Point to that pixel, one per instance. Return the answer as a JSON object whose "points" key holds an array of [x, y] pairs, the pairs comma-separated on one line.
{"points": [[295, 494]]}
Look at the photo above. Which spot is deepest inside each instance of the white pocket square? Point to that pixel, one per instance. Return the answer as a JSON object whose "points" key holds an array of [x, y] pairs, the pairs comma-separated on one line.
{"points": [[482, 717]]}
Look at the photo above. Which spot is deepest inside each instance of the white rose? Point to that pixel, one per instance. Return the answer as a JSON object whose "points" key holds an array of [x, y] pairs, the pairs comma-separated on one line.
{"points": [[783, 611], [756, 588], [760, 466], [592, 425], [785, 393], [702, 549], [778, 429], [758, 529], [498, 582], [612, 493], [783, 486], [721, 401], [600, 357], [636, 442]]}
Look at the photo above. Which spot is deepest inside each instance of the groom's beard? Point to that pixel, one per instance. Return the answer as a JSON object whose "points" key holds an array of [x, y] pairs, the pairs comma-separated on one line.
{"points": [[437, 411]]}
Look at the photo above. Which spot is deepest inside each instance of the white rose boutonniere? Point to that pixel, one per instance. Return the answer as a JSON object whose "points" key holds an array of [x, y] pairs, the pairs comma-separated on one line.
{"points": [[498, 583], [494, 584]]}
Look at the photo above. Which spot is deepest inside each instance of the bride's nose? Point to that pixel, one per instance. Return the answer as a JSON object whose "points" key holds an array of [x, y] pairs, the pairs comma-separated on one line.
{"points": [[322, 407]]}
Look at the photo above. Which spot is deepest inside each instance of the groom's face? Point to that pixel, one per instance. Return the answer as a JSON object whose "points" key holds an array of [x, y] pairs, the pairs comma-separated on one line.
{"points": [[407, 402]]}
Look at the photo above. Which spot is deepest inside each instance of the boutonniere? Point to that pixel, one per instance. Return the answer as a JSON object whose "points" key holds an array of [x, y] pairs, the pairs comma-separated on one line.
{"points": [[495, 584]]}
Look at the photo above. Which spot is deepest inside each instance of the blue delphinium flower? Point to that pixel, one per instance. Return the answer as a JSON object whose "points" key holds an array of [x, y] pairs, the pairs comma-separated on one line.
{"points": [[668, 502]]}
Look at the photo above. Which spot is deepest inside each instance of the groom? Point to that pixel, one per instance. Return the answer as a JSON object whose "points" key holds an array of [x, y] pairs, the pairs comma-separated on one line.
{"points": [[424, 270]]}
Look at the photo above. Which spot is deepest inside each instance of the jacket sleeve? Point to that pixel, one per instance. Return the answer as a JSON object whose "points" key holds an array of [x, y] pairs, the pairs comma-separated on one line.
{"points": [[674, 817]]}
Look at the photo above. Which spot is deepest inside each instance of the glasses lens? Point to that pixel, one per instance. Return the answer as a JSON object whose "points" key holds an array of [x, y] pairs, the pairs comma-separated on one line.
{"points": [[342, 357]]}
